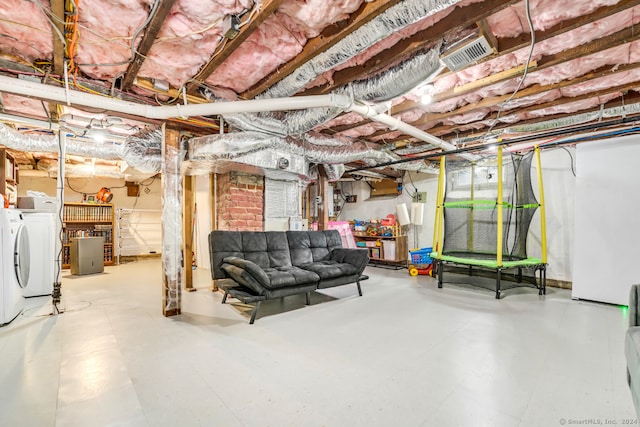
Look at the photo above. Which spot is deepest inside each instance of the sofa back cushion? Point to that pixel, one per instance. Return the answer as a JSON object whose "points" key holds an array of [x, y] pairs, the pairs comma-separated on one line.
{"points": [[223, 244], [310, 246], [266, 249]]}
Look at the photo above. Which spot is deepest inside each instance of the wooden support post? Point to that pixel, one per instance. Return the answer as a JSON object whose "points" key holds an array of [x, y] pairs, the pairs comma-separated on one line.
{"points": [[213, 182], [187, 225], [325, 199], [171, 223]]}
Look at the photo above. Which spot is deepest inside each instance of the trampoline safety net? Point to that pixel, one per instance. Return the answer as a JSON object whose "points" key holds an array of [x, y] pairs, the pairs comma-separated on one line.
{"points": [[471, 208]]}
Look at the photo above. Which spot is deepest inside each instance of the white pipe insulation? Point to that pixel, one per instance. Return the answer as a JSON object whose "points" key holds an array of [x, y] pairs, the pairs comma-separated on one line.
{"points": [[58, 94]]}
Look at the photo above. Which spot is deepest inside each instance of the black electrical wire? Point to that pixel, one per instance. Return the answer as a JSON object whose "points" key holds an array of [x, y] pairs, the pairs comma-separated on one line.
{"points": [[573, 170]]}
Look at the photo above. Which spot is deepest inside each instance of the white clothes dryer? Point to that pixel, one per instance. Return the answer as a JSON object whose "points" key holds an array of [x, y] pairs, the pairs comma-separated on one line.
{"points": [[42, 247], [14, 258]]}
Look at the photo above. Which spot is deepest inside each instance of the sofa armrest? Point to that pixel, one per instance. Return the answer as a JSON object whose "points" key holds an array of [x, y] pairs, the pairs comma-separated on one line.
{"points": [[246, 273], [634, 299], [356, 257]]}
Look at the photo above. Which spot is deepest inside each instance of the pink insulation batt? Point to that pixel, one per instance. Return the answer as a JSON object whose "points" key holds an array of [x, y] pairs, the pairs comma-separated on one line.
{"points": [[278, 40], [24, 106], [25, 42], [105, 31], [188, 38]]}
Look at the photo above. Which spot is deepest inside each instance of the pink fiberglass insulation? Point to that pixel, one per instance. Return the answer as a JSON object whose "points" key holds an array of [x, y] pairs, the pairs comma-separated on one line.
{"points": [[26, 41], [602, 83], [345, 119], [272, 44], [570, 108], [465, 118], [190, 35], [104, 35], [24, 106], [512, 21], [388, 42], [310, 17], [278, 40]]}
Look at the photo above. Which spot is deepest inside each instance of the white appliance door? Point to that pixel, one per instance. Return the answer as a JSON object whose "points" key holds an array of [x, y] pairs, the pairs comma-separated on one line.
{"points": [[21, 256]]}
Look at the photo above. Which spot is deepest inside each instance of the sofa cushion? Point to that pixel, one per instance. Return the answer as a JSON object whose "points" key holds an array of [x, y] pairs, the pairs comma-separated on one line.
{"points": [[221, 245], [254, 245], [330, 269], [311, 246], [281, 277], [278, 249]]}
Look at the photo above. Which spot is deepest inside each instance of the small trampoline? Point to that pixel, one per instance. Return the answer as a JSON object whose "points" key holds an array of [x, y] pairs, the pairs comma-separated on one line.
{"points": [[484, 211]]}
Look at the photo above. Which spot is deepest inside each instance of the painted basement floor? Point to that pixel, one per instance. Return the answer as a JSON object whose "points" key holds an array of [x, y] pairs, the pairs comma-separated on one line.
{"points": [[404, 354]]}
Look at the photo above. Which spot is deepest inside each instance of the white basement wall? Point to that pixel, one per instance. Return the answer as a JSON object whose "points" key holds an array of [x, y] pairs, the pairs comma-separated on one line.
{"points": [[606, 227]]}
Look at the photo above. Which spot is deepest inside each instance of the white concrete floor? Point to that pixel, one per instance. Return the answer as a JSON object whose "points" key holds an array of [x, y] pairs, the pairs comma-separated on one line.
{"points": [[404, 354]]}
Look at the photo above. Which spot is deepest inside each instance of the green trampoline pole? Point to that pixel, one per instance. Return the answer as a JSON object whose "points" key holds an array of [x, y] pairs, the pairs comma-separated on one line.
{"points": [[500, 225], [543, 220]]}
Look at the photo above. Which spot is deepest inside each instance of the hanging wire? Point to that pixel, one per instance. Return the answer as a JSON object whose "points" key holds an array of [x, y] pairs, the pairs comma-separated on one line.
{"points": [[532, 31]]}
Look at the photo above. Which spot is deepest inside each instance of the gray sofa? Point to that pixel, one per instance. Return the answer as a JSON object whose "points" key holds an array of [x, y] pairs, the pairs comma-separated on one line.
{"points": [[632, 347], [257, 266]]}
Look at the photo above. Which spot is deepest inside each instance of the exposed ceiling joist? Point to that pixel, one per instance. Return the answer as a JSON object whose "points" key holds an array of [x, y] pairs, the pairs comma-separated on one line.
{"points": [[57, 10], [621, 37], [510, 45], [328, 38], [629, 97], [267, 8], [144, 47], [598, 45], [460, 18]]}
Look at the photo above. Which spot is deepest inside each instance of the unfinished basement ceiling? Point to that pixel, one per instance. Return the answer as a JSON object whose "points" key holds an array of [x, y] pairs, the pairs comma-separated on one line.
{"points": [[581, 67]]}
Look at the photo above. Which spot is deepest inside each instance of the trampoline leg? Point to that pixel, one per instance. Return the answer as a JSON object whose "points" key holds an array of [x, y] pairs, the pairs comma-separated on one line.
{"points": [[308, 298], [470, 271], [359, 288], [224, 298], [544, 280], [519, 276], [498, 276], [440, 270]]}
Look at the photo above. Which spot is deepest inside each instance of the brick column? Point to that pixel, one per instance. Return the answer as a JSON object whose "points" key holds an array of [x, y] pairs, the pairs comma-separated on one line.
{"points": [[240, 202]]}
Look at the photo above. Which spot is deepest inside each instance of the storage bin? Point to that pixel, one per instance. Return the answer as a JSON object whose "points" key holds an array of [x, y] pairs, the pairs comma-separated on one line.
{"points": [[389, 249]]}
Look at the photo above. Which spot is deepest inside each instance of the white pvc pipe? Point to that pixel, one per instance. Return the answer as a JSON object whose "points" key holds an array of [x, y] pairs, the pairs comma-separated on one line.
{"points": [[58, 94], [396, 124]]}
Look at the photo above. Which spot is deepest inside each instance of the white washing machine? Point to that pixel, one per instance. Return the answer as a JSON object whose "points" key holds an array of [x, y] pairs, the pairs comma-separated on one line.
{"points": [[41, 227], [14, 260]]}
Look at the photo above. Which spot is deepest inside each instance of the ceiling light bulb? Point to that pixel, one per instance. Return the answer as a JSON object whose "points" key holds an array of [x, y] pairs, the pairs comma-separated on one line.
{"points": [[426, 99], [98, 137]]}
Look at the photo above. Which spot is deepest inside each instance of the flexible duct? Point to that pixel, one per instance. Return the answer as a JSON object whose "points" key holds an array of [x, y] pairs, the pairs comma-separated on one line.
{"points": [[141, 152], [389, 85], [314, 148], [392, 20]]}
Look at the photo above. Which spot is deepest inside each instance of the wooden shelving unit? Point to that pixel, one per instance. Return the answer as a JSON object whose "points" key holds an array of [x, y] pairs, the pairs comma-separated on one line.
{"points": [[396, 247], [82, 219], [8, 176]]}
